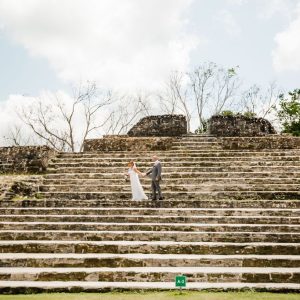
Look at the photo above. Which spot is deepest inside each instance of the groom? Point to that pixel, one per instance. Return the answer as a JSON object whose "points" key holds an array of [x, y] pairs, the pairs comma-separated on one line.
{"points": [[156, 178]]}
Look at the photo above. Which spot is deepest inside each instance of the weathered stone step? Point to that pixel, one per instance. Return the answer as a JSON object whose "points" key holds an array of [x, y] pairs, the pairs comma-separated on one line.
{"points": [[172, 188], [186, 153], [178, 169], [176, 160], [163, 247], [198, 146], [194, 274], [27, 287], [170, 181], [184, 175], [45, 260], [167, 165], [203, 139], [167, 203], [205, 195], [192, 236], [199, 143], [195, 144], [152, 211], [198, 136], [181, 227], [152, 219], [191, 141]]}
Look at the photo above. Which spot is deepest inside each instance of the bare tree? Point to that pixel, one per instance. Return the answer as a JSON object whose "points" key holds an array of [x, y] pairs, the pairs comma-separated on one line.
{"points": [[208, 89], [258, 101], [201, 83], [128, 111], [175, 97], [91, 108], [226, 84], [16, 136], [55, 123]]}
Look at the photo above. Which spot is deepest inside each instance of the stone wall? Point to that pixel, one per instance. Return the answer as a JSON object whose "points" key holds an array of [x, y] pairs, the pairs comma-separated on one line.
{"points": [[239, 126], [164, 125], [126, 143], [259, 143], [25, 159], [19, 186]]}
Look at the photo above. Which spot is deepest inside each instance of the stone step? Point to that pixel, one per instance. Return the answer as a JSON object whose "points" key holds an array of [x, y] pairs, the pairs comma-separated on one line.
{"points": [[198, 136], [199, 146], [148, 274], [163, 247], [177, 164], [177, 160], [152, 219], [28, 287], [152, 211], [170, 153], [179, 227], [179, 175], [179, 203], [176, 236], [285, 169], [173, 181], [200, 143], [204, 195], [179, 154], [46, 260], [172, 188], [190, 141], [193, 139]]}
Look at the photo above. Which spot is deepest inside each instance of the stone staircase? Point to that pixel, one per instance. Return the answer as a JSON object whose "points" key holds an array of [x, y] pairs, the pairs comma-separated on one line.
{"points": [[229, 220]]}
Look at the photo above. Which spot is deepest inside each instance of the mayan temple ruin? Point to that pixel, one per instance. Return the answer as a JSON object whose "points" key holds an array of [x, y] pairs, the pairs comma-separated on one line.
{"points": [[229, 220]]}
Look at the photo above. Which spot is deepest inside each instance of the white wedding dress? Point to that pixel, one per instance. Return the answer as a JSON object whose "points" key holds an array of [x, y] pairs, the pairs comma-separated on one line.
{"points": [[136, 187]]}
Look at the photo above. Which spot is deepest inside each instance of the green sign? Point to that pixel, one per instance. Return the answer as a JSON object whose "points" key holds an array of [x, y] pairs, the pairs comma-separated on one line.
{"points": [[180, 281]]}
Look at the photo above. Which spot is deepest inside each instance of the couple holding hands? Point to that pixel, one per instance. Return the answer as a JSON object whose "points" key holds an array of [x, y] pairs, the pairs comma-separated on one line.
{"points": [[136, 187]]}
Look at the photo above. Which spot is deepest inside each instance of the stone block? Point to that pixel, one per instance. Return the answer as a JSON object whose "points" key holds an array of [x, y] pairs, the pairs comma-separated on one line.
{"points": [[164, 125], [260, 143], [126, 143], [239, 126], [25, 159]]}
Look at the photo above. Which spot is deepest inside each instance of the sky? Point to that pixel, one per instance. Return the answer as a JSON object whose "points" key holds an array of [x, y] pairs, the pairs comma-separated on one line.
{"points": [[50, 45]]}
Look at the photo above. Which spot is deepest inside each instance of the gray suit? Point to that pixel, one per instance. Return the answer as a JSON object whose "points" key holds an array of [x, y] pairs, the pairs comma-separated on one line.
{"points": [[156, 178]]}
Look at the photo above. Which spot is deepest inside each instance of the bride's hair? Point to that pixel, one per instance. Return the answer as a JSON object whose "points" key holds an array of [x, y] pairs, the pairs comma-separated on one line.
{"points": [[131, 164]]}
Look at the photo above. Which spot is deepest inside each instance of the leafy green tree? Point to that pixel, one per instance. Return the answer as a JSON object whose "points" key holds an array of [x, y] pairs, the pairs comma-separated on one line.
{"points": [[289, 112]]}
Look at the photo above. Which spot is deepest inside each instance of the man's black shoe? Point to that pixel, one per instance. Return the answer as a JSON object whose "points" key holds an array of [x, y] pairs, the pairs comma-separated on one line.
{"points": [[161, 198], [153, 199]]}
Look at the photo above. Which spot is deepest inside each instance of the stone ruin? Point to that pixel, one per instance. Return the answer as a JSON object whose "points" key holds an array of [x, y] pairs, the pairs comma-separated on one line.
{"points": [[25, 159], [163, 125], [239, 125], [232, 215]]}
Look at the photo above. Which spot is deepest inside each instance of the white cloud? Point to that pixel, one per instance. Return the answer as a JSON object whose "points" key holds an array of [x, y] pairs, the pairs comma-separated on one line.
{"points": [[8, 115], [271, 8], [237, 2], [228, 22], [119, 43], [286, 54]]}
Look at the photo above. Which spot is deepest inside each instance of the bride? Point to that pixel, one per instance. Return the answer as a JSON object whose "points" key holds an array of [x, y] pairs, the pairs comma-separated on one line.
{"points": [[136, 187]]}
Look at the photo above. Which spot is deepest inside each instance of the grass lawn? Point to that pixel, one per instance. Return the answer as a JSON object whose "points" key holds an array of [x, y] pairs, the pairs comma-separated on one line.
{"points": [[156, 296]]}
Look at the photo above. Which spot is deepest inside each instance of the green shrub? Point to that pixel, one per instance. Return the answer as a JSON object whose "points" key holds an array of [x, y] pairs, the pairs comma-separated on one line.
{"points": [[202, 129], [289, 112], [249, 114], [227, 113]]}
